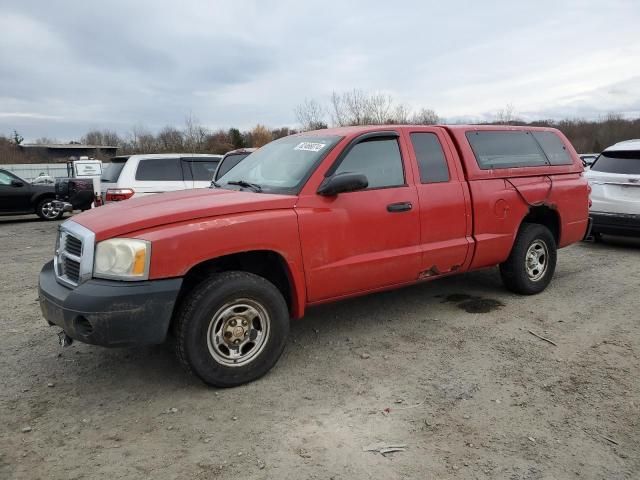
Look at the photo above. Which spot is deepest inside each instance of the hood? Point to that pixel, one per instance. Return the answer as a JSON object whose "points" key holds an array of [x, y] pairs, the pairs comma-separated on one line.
{"points": [[119, 218]]}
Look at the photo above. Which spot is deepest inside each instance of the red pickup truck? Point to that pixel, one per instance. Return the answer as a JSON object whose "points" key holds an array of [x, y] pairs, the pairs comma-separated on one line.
{"points": [[308, 219]]}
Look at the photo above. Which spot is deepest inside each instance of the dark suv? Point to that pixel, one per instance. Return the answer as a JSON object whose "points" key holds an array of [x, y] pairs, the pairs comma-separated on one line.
{"points": [[19, 197]]}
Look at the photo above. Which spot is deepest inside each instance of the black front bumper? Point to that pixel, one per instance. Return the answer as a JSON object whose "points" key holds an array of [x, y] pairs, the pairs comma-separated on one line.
{"points": [[109, 313], [616, 223]]}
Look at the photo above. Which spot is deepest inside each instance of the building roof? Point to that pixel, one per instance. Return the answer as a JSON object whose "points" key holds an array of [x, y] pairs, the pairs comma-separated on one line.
{"points": [[65, 146]]}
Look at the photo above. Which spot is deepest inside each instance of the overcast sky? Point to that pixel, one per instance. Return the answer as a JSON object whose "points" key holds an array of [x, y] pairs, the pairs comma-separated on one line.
{"points": [[70, 66]]}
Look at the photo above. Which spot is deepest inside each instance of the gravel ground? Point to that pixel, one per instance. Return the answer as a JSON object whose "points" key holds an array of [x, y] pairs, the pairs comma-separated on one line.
{"points": [[447, 369]]}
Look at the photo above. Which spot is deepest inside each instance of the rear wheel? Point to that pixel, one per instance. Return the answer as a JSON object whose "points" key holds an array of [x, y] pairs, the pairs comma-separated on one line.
{"points": [[532, 262], [47, 211], [232, 328]]}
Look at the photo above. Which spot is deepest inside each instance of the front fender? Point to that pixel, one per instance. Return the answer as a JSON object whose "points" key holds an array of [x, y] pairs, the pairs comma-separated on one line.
{"points": [[176, 248]]}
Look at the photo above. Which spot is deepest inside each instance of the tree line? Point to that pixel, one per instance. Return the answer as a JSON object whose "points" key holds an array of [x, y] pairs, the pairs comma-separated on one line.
{"points": [[354, 107]]}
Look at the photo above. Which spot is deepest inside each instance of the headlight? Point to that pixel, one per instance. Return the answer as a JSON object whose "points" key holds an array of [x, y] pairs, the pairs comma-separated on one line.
{"points": [[122, 259]]}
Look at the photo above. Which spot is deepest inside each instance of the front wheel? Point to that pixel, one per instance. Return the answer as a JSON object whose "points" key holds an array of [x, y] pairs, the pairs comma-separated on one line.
{"points": [[47, 211], [232, 328], [532, 262]]}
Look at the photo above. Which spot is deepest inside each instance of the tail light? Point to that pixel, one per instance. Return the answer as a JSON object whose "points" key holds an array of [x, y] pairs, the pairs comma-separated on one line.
{"points": [[118, 194]]}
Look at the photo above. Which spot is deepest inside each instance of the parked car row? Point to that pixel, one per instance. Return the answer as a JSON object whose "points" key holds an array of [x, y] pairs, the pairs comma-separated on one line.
{"points": [[19, 197], [139, 175]]}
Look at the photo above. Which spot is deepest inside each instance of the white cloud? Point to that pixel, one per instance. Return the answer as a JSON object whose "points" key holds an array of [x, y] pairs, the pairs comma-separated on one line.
{"points": [[71, 66]]}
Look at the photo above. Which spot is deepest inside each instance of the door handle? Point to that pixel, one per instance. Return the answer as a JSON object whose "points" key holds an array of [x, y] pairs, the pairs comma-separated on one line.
{"points": [[399, 207]]}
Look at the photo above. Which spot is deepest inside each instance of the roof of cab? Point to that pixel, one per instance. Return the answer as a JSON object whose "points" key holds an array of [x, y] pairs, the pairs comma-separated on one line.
{"points": [[354, 130]]}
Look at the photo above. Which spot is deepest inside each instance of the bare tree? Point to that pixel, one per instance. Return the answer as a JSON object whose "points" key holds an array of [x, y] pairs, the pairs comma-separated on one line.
{"points": [[219, 142], [357, 107], [425, 116], [101, 137], [506, 115], [379, 109], [170, 139], [141, 140], [195, 135], [310, 114], [44, 141], [401, 114]]}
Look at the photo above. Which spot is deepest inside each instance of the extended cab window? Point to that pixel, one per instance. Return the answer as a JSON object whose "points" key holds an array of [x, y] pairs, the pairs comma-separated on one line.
{"points": [[378, 159], [553, 148], [159, 169], [431, 160], [505, 149]]}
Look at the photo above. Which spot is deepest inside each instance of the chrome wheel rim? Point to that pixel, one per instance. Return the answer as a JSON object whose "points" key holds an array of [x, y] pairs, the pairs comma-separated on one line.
{"points": [[238, 332], [537, 260], [49, 211]]}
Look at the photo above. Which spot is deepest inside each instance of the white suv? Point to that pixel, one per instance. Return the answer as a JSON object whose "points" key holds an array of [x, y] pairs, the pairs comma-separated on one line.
{"points": [[615, 182], [137, 175]]}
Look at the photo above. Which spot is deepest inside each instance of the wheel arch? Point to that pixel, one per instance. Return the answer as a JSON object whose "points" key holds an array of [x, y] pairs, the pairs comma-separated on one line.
{"points": [[38, 197], [268, 264], [547, 216]]}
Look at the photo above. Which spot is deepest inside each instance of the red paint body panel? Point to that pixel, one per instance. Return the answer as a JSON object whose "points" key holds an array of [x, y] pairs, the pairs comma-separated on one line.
{"points": [[118, 219], [178, 247], [350, 244]]}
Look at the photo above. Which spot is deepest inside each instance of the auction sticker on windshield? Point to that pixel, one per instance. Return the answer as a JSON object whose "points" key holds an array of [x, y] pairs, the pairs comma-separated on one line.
{"points": [[310, 146]]}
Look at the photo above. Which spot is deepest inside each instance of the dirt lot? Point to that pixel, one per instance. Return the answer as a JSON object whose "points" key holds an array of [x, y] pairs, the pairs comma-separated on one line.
{"points": [[471, 395]]}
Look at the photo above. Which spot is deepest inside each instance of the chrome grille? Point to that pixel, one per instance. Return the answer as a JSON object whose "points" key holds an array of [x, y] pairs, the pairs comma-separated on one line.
{"points": [[73, 245], [73, 261], [71, 269]]}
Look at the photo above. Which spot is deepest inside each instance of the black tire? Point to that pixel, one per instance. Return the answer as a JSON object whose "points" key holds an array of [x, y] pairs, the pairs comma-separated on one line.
{"points": [[515, 273], [195, 318], [44, 212]]}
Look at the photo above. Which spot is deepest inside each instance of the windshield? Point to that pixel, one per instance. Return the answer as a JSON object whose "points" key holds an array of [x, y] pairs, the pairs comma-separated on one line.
{"points": [[111, 171], [624, 161], [282, 166]]}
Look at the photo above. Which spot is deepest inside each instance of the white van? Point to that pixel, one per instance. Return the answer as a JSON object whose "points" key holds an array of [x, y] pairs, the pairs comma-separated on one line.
{"points": [[137, 175]]}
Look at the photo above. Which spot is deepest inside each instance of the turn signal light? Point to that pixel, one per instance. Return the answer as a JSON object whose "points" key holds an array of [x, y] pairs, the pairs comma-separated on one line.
{"points": [[118, 194]]}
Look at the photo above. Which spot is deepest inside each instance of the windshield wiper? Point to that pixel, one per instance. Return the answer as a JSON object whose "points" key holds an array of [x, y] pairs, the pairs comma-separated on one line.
{"points": [[241, 183]]}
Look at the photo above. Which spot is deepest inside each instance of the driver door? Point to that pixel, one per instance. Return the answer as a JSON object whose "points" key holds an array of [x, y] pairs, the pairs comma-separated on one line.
{"points": [[363, 240], [15, 194]]}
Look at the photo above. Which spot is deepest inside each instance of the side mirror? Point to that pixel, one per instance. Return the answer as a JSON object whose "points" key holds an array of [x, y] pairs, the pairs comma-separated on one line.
{"points": [[342, 183], [17, 183]]}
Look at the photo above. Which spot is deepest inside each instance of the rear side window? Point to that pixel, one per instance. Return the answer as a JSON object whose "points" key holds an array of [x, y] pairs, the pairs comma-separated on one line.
{"points": [[510, 149], [203, 170], [159, 169], [553, 148], [626, 162], [378, 159], [229, 162], [111, 171], [431, 160]]}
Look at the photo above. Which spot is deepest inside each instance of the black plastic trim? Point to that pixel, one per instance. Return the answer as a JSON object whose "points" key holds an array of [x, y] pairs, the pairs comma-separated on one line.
{"points": [[107, 312]]}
